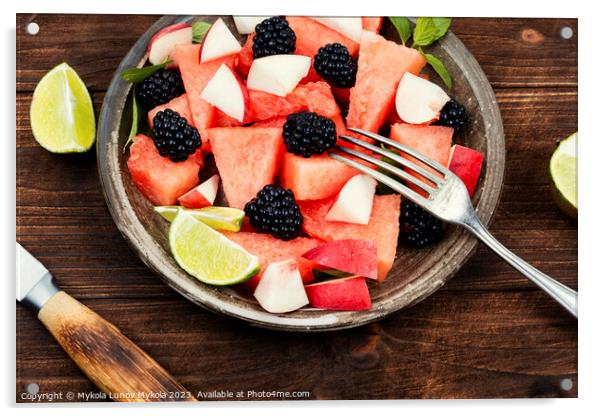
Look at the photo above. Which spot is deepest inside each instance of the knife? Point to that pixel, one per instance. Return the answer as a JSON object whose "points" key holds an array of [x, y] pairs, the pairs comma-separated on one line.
{"points": [[114, 363]]}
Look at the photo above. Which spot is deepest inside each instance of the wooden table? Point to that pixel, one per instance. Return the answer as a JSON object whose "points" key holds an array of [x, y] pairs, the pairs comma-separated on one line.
{"points": [[487, 333]]}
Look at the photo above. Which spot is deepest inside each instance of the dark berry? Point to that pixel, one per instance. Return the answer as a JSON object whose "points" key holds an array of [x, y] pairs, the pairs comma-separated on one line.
{"points": [[418, 227], [307, 133], [173, 136], [453, 114], [334, 63], [273, 36], [159, 88], [275, 211]]}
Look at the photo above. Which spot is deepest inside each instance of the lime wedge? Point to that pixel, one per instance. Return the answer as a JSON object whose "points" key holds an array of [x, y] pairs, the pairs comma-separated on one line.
{"points": [[61, 113], [563, 172], [207, 255], [219, 218]]}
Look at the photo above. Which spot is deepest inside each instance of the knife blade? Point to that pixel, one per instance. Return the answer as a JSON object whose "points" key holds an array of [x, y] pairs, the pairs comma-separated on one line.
{"points": [[114, 363], [35, 284]]}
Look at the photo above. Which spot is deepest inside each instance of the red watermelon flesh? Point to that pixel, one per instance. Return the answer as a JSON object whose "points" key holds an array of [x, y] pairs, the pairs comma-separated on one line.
{"points": [[312, 35], [316, 177], [265, 106], [383, 227], [179, 105], [316, 97], [320, 176], [247, 159], [381, 65], [159, 179], [432, 141], [357, 257], [245, 57], [272, 122], [221, 119], [372, 24], [270, 249], [195, 77], [466, 163]]}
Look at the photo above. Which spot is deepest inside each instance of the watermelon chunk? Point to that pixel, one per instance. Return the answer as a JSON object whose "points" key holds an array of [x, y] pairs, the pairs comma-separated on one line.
{"points": [[373, 24], [383, 227], [221, 119], [381, 65], [247, 159], [272, 122], [195, 77], [432, 141], [357, 257], [312, 35], [265, 106], [316, 97], [159, 179], [316, 177], [270, 249], [179, 105], [466, 163], [245, 57]]}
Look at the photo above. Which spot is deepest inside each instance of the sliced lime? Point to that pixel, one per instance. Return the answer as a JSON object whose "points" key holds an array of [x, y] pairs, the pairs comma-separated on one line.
{"points": [[220, 218], [563, 172], [207, 255], [61, 113]]}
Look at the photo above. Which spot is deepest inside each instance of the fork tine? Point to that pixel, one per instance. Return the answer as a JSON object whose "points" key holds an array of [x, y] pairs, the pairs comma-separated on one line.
{"points": [[396, 145], [397, 158], [382, 178], [396, 171]]}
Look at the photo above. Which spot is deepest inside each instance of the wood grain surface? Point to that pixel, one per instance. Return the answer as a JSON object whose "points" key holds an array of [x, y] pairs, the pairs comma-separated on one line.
{"points": [[487, 333]]}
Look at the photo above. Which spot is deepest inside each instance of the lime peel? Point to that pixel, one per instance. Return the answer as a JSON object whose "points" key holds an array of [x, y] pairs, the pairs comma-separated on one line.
{"points": [[563, 173], [61, 113], [219, 218], [208, 255]]}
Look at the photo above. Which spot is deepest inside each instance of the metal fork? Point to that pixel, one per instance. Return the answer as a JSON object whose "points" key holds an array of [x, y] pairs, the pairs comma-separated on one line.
{"points": [[447, 199]]}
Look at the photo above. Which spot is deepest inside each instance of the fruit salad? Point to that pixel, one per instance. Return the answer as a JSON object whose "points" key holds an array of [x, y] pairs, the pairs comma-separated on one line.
{"points": [[297, 228]]}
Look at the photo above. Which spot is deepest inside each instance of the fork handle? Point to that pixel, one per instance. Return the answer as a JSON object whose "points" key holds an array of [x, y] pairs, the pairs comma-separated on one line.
{"points": [[562, 294]]}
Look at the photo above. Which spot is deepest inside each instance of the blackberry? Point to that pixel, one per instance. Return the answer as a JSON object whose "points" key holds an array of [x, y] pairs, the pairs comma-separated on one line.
{"points": [[418, 227], [306, 133], [160, 88], [173, 136], [334, 63], [273, 36], [275, 211], [453, 114]]}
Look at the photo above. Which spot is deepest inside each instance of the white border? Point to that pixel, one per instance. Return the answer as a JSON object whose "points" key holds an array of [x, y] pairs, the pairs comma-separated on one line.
{"points": [[590, 146]]}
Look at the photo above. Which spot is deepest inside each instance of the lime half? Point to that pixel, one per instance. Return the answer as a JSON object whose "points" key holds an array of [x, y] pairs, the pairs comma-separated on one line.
{"points": [[563, 172], [61, 113], [219, 218], [207, 255]]}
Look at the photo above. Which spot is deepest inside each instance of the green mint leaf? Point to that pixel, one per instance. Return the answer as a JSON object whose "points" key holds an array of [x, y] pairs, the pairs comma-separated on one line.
{"points": [[135, 120], [439, 68], [442, 24], [425, 31], [402, 24], [199, 30], [135, 75]]}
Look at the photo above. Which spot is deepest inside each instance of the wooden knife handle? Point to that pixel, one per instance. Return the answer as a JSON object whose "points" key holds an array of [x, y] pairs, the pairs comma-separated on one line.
{"points": [[114, 363]]}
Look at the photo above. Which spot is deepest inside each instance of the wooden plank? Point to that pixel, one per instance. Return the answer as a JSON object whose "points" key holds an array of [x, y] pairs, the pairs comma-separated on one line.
{"points": [[93, 44], [437, 349], [487, 333], [513, 52], [522, 53]]}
